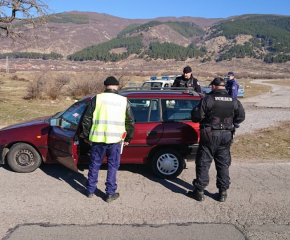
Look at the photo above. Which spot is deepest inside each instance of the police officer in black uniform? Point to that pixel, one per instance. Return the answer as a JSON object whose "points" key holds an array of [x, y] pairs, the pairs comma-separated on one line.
{"points": [[187, 80], [217, 113]]}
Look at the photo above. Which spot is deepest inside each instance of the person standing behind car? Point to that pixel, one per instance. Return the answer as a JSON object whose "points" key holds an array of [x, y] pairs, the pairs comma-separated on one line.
{"points": [[216, 112], [107, 117], [187, 80], [232, 86]]}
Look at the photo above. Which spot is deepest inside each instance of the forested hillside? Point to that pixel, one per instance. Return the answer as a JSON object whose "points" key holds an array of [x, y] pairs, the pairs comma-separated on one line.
{"points": [[186, 29], [270, 37], [263, 37]]}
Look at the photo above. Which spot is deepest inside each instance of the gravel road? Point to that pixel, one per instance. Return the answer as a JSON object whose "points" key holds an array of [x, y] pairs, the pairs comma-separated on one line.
{"points": [[266, 110]]}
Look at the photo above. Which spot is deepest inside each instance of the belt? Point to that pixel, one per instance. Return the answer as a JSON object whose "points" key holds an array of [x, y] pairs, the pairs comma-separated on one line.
{"points": [[221, 130]]}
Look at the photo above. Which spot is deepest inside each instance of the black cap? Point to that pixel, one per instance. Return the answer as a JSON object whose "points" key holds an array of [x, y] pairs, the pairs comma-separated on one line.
{"points": [[111, 81], [187, 69], [218, 82], [231, 74]]}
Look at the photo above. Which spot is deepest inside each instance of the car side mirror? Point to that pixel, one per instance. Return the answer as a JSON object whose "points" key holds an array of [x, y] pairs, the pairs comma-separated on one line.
{"points": [[54, 122]]}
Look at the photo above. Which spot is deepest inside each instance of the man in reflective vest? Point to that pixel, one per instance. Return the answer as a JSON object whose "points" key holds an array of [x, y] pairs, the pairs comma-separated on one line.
{"points": [[107, 117]]}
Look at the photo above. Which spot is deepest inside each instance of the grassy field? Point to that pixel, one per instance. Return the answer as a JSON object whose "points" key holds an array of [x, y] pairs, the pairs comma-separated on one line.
{"points": [[261, 146], [15, 109], [268, 145]]}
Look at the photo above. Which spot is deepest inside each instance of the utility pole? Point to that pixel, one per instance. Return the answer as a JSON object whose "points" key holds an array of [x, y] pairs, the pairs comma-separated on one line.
{"points": [[7, 65]]}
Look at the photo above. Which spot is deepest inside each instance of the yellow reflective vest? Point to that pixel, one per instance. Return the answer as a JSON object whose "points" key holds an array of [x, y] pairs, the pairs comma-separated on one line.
{"points": [[108, 122]]}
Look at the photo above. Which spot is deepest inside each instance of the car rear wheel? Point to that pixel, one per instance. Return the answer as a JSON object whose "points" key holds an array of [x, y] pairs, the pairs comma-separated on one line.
{"points": [[167, 163], [23, 158]]}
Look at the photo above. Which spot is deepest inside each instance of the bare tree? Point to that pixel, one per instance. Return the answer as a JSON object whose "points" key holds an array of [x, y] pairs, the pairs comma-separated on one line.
{"points": [[15, 14]]}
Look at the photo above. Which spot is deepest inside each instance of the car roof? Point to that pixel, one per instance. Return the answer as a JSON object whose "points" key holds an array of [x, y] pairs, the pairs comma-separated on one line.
{"points": [[160, 93], [182, 93], [158, 81]]}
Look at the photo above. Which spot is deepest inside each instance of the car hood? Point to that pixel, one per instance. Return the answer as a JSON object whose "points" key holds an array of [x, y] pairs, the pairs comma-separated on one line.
{"points": [[36, 121]]}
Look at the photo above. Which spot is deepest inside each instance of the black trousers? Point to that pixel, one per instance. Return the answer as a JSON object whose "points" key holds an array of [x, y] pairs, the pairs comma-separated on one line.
{"points": [[217, 148]]}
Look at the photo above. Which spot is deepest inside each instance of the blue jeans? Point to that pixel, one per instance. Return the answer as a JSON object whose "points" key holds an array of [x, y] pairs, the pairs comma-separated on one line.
{"points": [[98, 152]]}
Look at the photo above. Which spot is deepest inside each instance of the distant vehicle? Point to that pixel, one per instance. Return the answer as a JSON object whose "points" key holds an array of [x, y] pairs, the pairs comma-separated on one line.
{"points": [[156, 85], [159, 83], [204, 87]]}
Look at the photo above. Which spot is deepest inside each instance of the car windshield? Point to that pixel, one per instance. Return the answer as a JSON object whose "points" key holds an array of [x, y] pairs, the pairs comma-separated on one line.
{"points": [[71, 117], [55, 116]]}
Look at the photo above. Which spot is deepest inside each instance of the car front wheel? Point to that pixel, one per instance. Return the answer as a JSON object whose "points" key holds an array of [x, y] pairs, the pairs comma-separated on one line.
{"points": [[23, 158], [167, 163]]}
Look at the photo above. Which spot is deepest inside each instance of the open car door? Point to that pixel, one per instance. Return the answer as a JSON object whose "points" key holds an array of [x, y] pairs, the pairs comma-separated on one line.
{"points": [[63, 140]]}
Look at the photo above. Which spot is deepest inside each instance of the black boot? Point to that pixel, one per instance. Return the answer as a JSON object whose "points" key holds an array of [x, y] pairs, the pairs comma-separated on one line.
{"points": [[198, 195], [109, 198], [223, 195]]}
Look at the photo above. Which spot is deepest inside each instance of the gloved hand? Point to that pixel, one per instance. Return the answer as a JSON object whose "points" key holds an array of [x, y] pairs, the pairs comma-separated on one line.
{"points": [[236, 125]]}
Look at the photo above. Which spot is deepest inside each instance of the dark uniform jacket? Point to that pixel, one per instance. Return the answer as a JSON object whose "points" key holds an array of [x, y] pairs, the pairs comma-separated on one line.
{"points": [[87, 119], [191, 82], [233, 88], [219, 111]]}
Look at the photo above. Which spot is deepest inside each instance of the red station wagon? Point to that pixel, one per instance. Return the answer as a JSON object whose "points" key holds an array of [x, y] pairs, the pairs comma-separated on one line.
{"points": [[164, 135]]}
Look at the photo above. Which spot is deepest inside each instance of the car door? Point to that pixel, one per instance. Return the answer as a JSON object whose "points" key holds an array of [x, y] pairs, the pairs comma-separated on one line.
{"points": [[148, 130], [178, 127], [63, 142]]}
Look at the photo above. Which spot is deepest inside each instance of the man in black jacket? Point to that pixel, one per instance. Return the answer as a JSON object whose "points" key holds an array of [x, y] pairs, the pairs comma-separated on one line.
{"points": [[217, 113], [106, 118], [187, 80]]}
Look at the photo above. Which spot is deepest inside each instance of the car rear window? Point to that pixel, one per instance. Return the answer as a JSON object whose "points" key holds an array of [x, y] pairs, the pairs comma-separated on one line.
{"points": [[177, 109], [148, 110]]}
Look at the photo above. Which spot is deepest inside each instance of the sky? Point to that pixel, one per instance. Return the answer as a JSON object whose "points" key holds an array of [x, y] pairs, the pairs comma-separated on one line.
{"points": [[147, 9]]}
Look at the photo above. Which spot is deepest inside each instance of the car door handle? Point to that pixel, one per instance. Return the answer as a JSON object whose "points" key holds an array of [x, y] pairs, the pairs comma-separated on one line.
{"points": [[151, 133]]}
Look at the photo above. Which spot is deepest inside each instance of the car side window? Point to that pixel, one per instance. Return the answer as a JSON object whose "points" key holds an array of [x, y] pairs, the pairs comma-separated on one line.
{"points": [[71, 117], [178, 109], [145, 110]]}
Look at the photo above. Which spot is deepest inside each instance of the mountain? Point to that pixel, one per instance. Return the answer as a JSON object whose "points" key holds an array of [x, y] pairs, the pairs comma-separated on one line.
{"points": [[66, 33], [95, 36]]}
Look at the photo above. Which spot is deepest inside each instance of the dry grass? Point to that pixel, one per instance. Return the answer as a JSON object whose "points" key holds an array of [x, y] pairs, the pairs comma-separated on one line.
{"points": [[15, 109], [265, 145]]}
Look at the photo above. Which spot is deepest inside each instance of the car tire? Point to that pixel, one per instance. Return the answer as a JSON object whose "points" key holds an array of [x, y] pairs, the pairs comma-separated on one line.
{"points": [[167, 163], [23, 158]]}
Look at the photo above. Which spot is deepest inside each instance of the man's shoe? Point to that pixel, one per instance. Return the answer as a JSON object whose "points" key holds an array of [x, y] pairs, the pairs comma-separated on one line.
{"points": [[110, 198], [90, 195], [197, 195], [222, 196]]}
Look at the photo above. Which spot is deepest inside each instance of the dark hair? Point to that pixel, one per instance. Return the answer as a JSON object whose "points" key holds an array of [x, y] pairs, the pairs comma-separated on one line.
{"points": [[218, 82]]}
